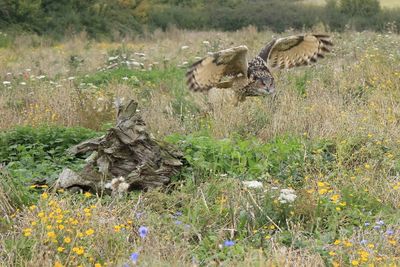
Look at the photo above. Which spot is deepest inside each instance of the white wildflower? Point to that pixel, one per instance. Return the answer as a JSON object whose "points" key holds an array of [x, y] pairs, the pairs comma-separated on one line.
{"points": [[253, 184], [135, 63], [113, 58], [184, 47], [287, 196], [71, 78], [41, 77], [6, 82], [140, 54], [125, 78], [206, 42], [22, 83]]}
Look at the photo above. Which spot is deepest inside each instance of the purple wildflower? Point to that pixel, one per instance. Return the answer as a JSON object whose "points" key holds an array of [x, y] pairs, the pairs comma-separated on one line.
{"points": [[177, 222], [178, 213], [377, 227], [229, 243], [389, 232], [143, 230], [380, 222], [367, 224], [134, 257], [363, 242]]}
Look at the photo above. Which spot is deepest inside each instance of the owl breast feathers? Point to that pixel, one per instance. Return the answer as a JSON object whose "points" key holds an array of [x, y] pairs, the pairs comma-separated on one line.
{"points": [[230, 68]]}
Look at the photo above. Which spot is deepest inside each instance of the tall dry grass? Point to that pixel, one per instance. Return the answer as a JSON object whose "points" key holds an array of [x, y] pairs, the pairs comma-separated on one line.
{"points": [[352, 90]]}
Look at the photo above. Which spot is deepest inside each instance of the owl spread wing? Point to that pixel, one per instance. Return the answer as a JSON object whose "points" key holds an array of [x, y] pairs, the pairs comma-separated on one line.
{"points": [[297, 50], [210, 71]]}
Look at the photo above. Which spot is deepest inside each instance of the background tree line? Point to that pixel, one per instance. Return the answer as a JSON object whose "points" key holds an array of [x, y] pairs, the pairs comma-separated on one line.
{"points": [[108, 18]]}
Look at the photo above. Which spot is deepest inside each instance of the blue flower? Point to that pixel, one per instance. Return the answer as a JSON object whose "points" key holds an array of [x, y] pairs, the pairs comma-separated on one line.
{"points": [[143, 230], [366, 224], [377, 227], [363, 242], [380, 222], [229, 243], [134, 257], [177, 222], [389, 232], [178, 213]]}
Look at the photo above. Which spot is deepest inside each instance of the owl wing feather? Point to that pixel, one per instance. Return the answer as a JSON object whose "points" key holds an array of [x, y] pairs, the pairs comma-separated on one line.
{"points": [[210, 71], [296, 50]]}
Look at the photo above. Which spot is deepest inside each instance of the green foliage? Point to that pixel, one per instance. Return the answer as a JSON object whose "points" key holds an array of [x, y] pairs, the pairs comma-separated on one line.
{"points": [[38, 154], [281, 158], [364, 8], [52, 140]]}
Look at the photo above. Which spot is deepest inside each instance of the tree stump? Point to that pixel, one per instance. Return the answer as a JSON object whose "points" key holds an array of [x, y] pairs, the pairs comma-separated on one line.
{"points": [[124, 159]]}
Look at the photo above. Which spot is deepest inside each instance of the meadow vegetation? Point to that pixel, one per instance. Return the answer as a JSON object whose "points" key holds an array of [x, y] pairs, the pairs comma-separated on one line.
{"points": [[325, 147]]}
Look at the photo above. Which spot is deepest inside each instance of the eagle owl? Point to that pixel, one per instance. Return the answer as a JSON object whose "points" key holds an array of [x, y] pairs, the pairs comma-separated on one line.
{"points": [[230, 69]]}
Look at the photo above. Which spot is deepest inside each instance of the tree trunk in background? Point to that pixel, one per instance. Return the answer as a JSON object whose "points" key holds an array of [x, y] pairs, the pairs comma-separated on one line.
{"points": [[126, 158]]}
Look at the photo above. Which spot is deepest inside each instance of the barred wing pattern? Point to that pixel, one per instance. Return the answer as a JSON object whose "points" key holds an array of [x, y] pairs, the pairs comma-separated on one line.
{"points": [[211, 70], [297, 50]]}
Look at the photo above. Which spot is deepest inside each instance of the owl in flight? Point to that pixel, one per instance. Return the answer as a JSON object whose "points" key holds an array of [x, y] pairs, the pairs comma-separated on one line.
{"points": [[230, 69]]}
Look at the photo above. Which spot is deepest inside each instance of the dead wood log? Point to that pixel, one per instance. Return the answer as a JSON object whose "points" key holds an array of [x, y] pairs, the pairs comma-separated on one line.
{"points": [[125, 158]]}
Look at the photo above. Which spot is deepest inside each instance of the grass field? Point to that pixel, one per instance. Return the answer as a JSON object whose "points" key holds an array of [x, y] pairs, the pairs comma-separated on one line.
{"points": [[326, 149], [384, 3]]}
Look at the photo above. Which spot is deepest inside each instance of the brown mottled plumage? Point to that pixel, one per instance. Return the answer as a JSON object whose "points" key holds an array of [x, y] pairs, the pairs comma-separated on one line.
{"points": [[230, 69]]}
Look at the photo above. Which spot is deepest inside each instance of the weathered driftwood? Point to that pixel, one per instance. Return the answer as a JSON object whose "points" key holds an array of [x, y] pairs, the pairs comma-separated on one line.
{"points": [[126, 158]]}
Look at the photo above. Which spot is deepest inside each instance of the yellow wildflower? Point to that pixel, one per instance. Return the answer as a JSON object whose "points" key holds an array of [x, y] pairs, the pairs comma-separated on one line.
{"points": [[27, 231], [347, 244], [337, 242], [89, 232], [87, 194], [335, 198], [355, 263], [58, 264], [78, 250], [322, 191], [67, 240], [60, 249], [44, 196], [51, 234]]}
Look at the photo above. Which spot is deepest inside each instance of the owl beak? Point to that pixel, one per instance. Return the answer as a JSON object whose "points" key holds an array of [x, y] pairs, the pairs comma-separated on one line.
{"points": [[270, 90]]}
